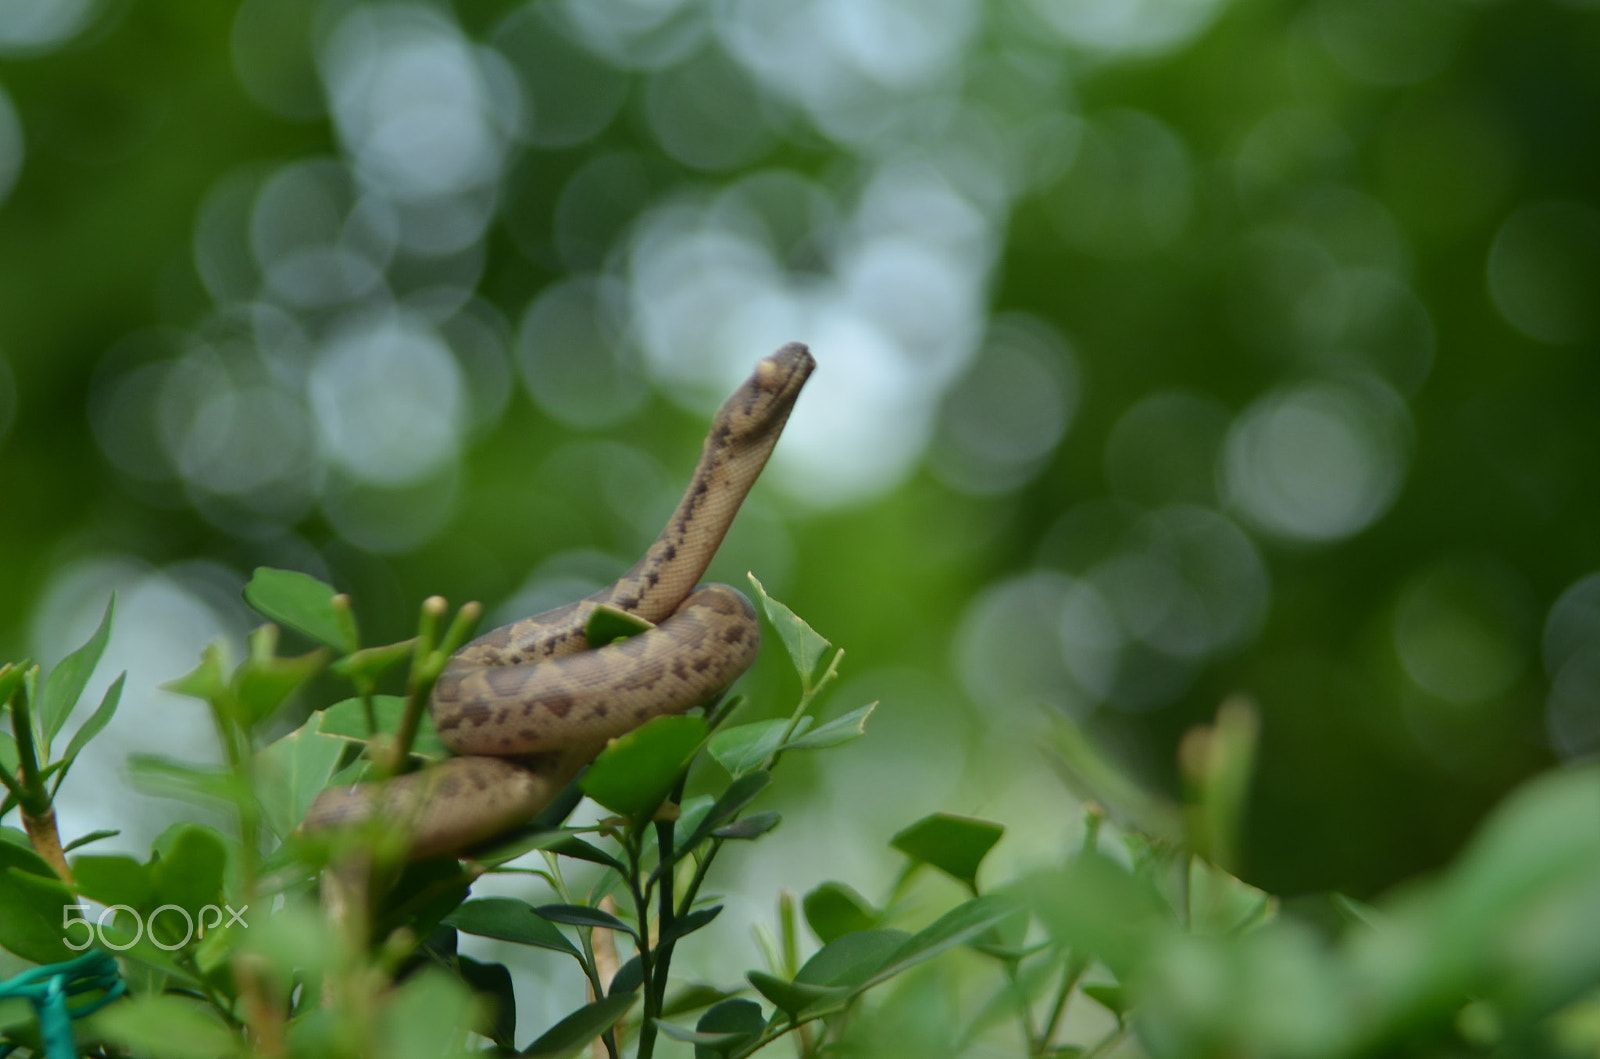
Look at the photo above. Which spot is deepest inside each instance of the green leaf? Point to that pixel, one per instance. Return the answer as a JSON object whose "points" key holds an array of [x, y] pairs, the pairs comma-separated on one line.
{"points": [[172, 1027], [191, 783], [582, 1026], [13, 675], [584, 916], [370, 663], [693, 997], [17, 852], [347, 719], [114, 880], [1091, 774], [66, 681], [834, 910], [961, 924], [299, 601], [509, 919], [1222, 905], [836, 732], [956, 845], [8, 754], [1111, 997], [753, 826], [207, 681], [93, 726], [1098, 908], [189, 873], [428, 1016], [426, 892], [525, 840], [266, 680], [634, 773], [608, 624], [805, 646], [297, 936], [291, 772], [718, 1042], [84, 840], [851, 960], [745, 747], [741, 1018], [795, 997], [740, 793], [578, 849], [492, 981], [686, 925], [629, 976], [32, 924]]}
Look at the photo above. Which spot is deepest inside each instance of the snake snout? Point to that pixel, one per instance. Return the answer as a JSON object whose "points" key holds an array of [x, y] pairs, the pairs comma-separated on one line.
{"points": [[786, 370]]}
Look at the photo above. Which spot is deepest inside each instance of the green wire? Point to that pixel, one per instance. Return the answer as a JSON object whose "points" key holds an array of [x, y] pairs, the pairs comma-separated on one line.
{"points": [[47, 988]]}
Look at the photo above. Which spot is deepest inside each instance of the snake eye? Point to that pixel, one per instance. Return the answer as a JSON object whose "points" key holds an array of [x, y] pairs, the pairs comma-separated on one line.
{"points": [[768, 375]]}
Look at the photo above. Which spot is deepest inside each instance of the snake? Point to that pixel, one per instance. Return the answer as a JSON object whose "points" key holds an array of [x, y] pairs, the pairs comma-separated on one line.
{"points": [[526, 706]]}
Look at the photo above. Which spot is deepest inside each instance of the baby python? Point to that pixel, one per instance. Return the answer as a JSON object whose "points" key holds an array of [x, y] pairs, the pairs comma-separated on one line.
{"points": [[529, 704]]}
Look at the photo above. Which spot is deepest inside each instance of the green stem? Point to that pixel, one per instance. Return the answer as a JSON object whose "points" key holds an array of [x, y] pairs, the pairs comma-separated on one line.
{"points": [[1024, 1015], [369, 709], [1071, 972], [31, 793], [1106, 1043], [641, 911], [808, 695], [591, 970], [691, 891], [667, 915], [187, 962]]}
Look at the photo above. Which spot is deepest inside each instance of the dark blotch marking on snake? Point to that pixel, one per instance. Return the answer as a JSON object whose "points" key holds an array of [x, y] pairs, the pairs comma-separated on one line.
{"points": [[558, 703]]}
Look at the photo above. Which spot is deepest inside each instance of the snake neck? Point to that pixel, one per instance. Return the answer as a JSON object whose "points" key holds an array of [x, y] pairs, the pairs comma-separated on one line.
{"points": [[742, 437], [675, 563]]}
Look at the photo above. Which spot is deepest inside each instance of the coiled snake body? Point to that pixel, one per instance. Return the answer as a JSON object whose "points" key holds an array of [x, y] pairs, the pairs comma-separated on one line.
{"points": [[530, 703]]}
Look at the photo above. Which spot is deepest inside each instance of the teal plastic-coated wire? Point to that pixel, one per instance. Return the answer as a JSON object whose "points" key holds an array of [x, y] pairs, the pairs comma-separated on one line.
{"points": [[47, 989]]}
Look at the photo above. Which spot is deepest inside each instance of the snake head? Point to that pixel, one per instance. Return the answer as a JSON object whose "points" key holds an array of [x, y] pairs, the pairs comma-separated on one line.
{"points": [[757, 410]]}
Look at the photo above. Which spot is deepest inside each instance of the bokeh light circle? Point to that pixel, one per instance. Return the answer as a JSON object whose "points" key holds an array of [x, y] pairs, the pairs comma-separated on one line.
{"points": [[1317, 461], [1131, 28], [31, 27], [388, 399], [8, 398], [1130, 189], [576, 360], [1544, 271], [1163, 448], [316, 240], [392, 519], [1461, 629], [1390, 42], [707, 114], [1009, 644], [12, 145], [273, 56], [1572, 662], [1000, 424], [420, 109], [569, 93]]}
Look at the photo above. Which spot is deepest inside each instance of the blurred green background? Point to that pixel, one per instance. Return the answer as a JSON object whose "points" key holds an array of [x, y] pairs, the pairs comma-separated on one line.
{"points": [[1168, 349]]}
